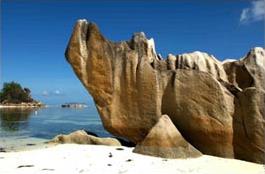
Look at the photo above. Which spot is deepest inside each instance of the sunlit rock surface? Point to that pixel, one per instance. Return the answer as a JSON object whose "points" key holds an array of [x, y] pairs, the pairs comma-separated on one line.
{"points": [[218, 107]]}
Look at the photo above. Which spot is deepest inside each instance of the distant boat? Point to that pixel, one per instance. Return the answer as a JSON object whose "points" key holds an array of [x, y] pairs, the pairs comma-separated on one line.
{"points": [[74, 105]]}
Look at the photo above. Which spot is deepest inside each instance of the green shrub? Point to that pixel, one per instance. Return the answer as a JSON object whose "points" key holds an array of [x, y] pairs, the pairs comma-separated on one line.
{"points": [[13, 93]]}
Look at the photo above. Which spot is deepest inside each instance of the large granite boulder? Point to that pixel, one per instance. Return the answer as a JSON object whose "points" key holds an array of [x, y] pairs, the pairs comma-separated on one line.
{"points": [[248, 75], [201, 108], [164, 140], [120, 79], [205, 99], [81, 137]]}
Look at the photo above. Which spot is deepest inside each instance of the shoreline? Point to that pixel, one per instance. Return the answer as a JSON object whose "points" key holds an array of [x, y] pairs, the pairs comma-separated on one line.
{"points": [[73, 158], [19, 144], [21, 106]]}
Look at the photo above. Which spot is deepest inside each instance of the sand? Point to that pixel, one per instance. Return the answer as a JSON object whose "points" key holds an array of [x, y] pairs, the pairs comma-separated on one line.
{"points": [[71, 159]]}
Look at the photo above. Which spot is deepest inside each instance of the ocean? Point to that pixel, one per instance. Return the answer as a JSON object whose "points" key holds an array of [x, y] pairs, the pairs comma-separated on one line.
{"points": [[24, 127]]}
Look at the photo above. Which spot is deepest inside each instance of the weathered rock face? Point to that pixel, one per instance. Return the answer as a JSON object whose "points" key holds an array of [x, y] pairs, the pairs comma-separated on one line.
{"points": [[81, 137], [201, 62], [200, 107], [248, 75], [120, 79], [249, 71], [132, 87], [249, 125], [164, 140]]}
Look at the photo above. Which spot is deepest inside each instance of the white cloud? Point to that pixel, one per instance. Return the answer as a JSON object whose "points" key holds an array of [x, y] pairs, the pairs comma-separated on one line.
{"points": [[255, 12], [57, 92], [51, 93], [244, 15], [45, 93]]}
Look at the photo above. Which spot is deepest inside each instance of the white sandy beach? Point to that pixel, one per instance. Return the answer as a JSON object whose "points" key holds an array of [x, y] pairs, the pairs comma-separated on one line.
{"points": [[70, 158]]}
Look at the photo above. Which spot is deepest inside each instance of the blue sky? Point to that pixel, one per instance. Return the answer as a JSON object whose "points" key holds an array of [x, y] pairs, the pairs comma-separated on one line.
{"points": [[34, 35]]}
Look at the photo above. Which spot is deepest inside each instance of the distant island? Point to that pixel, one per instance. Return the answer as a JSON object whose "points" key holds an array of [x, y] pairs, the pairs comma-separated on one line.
{"points": [[13, 95], [74, 105]]}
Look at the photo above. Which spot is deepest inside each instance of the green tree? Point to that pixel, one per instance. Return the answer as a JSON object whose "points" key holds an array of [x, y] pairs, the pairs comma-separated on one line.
{"points": [[13, 93]]}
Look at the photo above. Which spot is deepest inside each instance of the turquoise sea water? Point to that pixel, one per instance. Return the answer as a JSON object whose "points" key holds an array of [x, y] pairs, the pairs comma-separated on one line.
{"points": [[21, 127]]}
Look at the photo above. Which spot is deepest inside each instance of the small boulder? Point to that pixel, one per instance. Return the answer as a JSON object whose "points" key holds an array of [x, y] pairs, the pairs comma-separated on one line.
{"points": [[164, 140], [81, 137]]}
